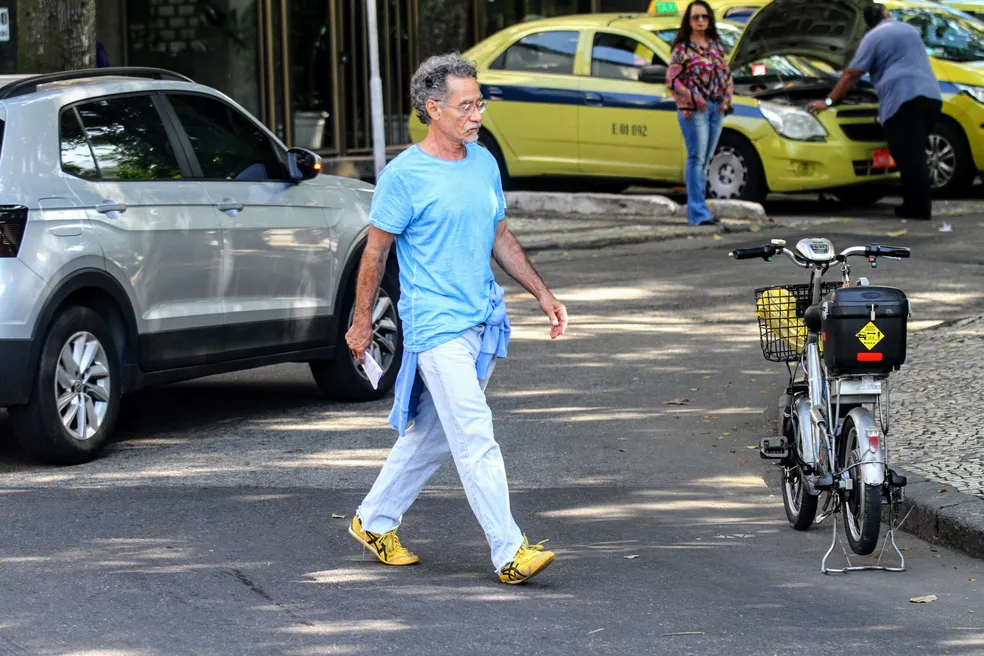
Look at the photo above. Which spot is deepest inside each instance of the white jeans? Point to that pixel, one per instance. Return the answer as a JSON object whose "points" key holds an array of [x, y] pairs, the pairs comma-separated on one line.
{"points": [[453, 419]]}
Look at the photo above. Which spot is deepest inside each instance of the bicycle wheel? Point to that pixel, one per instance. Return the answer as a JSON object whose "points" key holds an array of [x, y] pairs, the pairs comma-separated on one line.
{"points": [[800, 505], [862, 507]]}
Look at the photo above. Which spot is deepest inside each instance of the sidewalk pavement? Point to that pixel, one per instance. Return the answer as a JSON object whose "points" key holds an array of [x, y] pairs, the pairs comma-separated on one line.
{"points": [[564, 221], [937, 435]]}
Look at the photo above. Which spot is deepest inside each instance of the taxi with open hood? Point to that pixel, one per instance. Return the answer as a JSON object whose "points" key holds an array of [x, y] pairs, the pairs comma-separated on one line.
{"points": [[585, 97], [953, 33]]}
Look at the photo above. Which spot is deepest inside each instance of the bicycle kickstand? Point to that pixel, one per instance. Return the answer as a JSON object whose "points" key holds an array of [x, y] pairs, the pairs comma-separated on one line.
{"points": [[889, 539]]}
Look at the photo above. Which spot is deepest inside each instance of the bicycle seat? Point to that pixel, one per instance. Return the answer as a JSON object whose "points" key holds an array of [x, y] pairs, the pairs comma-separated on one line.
{"points": [[816, 249]]}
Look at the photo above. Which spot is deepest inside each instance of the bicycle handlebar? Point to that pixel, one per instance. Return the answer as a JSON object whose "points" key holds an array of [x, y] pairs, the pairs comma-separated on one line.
{"points": [[765, 252], [886, 251], [768, 251]]}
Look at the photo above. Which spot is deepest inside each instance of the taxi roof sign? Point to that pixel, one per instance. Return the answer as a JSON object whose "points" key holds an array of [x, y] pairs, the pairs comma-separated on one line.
{"points": [[663, 8]]}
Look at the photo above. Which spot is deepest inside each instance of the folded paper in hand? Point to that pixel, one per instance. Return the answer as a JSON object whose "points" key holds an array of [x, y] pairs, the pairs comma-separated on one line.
{"points": [[372, 369]]}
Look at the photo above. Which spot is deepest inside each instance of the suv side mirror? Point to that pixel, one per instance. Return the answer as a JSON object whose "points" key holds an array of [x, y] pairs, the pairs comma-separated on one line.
{"points": [[303, 164], [654, 74]]}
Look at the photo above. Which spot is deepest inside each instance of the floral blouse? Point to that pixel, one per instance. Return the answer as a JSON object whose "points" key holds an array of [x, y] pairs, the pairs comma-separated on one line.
{"points": [[697, 75]]}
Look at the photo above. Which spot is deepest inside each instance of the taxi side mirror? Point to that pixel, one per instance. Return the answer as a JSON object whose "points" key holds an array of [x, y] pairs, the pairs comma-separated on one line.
{"points": [[654, 74]]}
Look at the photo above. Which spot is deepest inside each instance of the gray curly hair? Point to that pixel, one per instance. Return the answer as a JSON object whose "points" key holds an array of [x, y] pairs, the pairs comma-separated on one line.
{"points": [[430, 82]]}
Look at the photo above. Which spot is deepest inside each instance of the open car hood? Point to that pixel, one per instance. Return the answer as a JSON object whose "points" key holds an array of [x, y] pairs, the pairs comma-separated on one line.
{"points": [[827, 30]]}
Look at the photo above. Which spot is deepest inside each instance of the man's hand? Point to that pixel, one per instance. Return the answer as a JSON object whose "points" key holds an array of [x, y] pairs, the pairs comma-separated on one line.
{"points": [[359, 337], [556, 312], [816, 107]]}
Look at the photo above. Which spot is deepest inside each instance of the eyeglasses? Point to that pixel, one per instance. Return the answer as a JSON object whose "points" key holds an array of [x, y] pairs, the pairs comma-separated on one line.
{"points": [[469, 106], [699, 17]]}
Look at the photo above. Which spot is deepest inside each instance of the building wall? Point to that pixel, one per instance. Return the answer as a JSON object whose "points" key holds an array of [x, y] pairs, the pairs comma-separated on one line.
{"points": [[317, 63]]}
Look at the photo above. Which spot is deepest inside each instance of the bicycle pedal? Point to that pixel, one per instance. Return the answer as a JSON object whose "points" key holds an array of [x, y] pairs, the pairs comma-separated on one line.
{"points": [[774, 448]]}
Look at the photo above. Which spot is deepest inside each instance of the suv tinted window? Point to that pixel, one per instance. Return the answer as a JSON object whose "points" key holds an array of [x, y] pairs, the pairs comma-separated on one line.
{"points": [[76, 157], [543, 52], [128, 139], [619, 57], [228, 145]]}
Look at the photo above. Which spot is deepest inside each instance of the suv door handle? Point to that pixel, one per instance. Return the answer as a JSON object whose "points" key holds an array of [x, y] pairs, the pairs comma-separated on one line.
{"points": [[495, 93], [591, 98], [111, 208], [229, 205]]}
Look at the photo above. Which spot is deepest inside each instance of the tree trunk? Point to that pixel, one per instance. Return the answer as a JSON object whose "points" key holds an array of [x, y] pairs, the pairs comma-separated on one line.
{"points": [[55, 35]]}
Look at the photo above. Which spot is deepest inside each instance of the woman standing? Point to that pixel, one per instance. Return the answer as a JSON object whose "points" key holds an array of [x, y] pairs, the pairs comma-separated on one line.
{"points": [[702, 86]]}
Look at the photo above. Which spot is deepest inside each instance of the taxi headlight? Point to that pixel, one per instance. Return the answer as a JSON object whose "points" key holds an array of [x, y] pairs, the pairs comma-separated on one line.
{"points": [[792, 122], [977, 93]]}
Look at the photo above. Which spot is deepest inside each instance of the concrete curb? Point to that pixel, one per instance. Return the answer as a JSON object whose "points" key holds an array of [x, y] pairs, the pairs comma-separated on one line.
{"points": [[617, 206], [534, 243], [951, 519]]}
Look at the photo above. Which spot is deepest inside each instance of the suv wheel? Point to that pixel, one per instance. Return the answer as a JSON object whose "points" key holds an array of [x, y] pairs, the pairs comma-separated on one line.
{"points": [[343, 378], [76, 395]]}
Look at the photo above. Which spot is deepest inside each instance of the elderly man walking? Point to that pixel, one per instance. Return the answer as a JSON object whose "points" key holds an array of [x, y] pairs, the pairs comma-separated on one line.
{"points": [[909, 100], [442, 202]]}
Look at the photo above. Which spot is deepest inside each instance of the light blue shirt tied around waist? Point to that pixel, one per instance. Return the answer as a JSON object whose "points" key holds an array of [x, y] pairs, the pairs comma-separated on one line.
{"points": [[409, 384]]}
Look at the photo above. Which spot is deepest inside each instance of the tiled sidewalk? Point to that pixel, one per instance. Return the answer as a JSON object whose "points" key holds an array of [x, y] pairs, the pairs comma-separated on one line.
{"points": [[937, 425]]}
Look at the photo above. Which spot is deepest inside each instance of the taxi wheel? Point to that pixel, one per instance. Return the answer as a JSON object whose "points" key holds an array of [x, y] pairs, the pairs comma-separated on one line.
{"points": [[487, 141], [951, 170], [735, 171]]}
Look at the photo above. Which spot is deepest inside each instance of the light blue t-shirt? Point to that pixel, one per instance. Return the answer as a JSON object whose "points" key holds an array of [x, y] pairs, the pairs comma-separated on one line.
{"points": [[444, 215], [895, 56]]}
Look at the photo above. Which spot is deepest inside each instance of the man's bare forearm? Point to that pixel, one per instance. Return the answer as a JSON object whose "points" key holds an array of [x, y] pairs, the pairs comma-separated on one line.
{"points": [[371, 270], [848, 80], [512, 258]]}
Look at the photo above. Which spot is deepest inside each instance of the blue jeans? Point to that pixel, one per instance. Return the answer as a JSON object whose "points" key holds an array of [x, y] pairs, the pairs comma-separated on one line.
{"points": [[453, 420], [700, 134]]}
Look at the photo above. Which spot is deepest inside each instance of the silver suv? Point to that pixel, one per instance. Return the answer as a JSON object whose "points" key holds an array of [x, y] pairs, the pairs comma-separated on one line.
{"points": [[151, 231]]}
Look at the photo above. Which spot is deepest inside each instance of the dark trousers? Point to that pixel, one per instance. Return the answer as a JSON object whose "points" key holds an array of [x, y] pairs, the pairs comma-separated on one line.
{"points": [[907, 132]]}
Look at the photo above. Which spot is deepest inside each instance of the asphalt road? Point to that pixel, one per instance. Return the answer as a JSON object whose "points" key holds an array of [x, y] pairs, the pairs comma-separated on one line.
{"points": [[208, 527]]}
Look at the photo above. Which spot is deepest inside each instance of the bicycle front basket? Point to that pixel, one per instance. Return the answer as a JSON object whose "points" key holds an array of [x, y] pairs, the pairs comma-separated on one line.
{"points": [[780, 310]]}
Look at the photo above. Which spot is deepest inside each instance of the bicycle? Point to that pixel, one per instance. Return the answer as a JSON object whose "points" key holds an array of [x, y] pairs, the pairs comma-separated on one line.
{"points": [[840, 344]]}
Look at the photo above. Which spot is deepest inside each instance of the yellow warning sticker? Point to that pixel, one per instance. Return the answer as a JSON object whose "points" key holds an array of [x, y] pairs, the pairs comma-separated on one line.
{"points": [[870, 336]]}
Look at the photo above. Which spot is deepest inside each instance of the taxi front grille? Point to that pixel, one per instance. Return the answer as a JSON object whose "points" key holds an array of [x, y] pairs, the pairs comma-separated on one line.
{"points": [[863, 131], [867, 112]]}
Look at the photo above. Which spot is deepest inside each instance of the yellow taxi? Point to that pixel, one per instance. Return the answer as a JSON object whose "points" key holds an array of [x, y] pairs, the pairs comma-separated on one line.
{"points": [[585, 96], [954, 39]]}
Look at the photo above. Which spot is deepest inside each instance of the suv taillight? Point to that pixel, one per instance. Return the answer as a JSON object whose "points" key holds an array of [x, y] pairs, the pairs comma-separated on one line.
{"points": [[13, 218]]}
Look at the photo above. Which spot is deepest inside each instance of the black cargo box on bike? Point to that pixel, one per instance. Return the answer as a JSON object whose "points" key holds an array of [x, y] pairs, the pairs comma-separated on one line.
{"points": [[864, 330]]}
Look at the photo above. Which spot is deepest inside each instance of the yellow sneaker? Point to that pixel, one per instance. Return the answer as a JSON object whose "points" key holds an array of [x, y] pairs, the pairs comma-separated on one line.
{"points": [[386, 547], [530, 560]]}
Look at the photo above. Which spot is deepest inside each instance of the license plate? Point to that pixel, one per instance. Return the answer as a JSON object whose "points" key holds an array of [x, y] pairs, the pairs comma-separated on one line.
{"points": [[883, 159]]}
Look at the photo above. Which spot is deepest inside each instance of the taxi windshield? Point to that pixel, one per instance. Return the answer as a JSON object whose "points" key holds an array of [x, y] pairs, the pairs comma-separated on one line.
{"points": [[948, 34]]}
